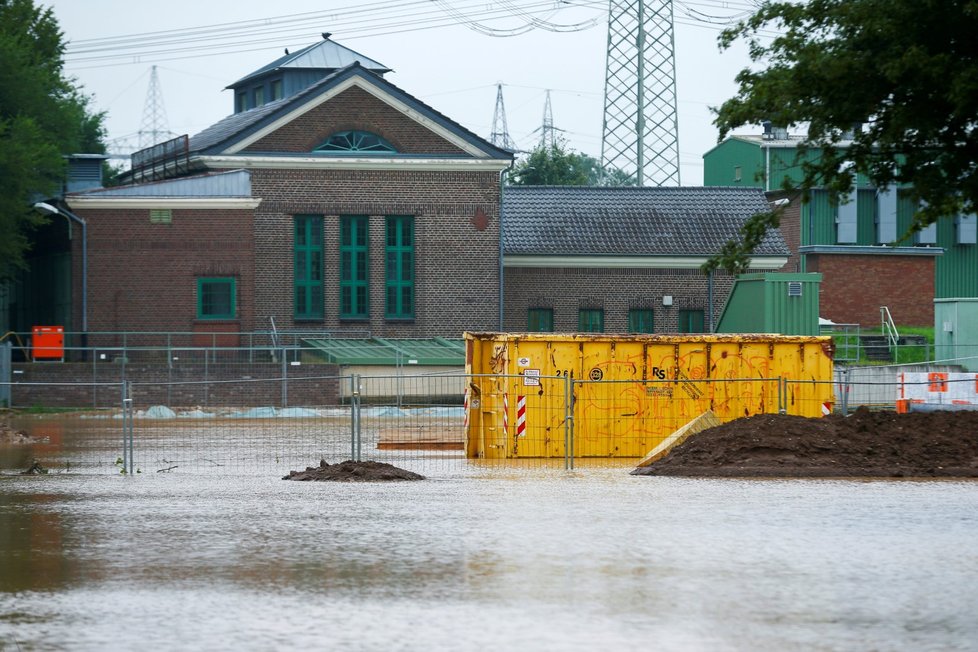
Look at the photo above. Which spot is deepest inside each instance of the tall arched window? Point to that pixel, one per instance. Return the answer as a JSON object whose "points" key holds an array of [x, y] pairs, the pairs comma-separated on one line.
{"points": [[360, 142]]}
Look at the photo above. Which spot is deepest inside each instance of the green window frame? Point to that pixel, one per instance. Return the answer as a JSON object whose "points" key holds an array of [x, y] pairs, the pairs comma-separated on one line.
{"points": [[691, 321], [540, 320], [354, 267], [590, 320], [216, 297], [259, 95], [399, 267], [640, 320], [276, 89], [308, 267], [356, 142]]}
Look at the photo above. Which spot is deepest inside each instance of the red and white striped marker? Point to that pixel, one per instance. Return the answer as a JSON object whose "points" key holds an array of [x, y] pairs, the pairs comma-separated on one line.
{"points": [[465, 408], [826, 409], [505, 416], [520, 416]]}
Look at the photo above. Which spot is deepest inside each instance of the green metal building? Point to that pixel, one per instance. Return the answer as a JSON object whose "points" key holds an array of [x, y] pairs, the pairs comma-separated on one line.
{"points": [[877, 218]]}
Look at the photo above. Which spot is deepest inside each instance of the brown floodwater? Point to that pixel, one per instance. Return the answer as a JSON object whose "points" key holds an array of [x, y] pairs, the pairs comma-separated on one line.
{"points": [[477, 557]]}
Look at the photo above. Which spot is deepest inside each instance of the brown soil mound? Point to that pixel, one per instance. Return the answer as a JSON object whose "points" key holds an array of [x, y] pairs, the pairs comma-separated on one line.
{"points": [[864, 444], [350, 471]]}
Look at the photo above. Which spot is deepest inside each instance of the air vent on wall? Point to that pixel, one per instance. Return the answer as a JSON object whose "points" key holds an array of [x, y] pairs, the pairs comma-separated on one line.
{"points": [[794, 288]]}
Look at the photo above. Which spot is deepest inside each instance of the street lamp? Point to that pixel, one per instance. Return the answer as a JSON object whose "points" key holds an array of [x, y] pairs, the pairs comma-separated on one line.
{"points": [[48, 209]]}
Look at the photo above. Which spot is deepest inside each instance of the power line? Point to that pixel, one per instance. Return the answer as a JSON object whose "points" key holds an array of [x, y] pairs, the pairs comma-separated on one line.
{"points": [[359, 21]]}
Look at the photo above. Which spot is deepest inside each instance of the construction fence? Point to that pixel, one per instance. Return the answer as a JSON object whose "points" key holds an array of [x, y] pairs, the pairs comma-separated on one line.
{"points": [[437, 425]]}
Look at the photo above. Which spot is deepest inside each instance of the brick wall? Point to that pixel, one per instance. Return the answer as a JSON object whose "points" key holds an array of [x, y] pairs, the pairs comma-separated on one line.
{"points": [[143, 276], [567, 290], [354, 109], [790, 229], [99, 385], [456, 263], [855, 286]]}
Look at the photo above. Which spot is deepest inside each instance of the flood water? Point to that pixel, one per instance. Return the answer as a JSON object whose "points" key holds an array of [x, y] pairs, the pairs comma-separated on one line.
{"points": [[485, 558]]}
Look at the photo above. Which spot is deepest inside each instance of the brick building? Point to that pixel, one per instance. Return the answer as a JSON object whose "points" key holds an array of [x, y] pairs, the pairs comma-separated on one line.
{"points": [[862, 247], [620, 259], [332, 201]]}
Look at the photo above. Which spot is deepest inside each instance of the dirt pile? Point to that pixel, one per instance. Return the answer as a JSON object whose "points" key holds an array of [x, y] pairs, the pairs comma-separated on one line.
{"points": [[350, 471], [864, 444]]}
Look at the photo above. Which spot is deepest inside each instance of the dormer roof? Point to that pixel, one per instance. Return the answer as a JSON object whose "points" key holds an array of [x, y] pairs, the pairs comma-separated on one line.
{"points": [[326, 55]]}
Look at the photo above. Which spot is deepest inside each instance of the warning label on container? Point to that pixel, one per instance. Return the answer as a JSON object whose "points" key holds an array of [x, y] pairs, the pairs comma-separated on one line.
{"points": [[531, 377], [523, 362]]}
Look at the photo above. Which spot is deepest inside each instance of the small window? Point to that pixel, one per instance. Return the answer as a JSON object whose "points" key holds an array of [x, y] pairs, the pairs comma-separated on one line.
{"points": [[215, 298], [691, 321], [590, 320], [738, 176], [161, 216], [241, 102], [259, 95], [540, 320], [640, 320], [276, 88]]}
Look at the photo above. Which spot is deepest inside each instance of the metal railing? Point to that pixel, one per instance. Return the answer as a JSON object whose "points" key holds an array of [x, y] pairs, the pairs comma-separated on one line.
{"points": [[889, 330]]}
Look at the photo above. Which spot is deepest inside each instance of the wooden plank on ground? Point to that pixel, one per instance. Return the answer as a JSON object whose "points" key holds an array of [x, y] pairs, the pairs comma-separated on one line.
{"points": [[699, 424], [432, 437]]}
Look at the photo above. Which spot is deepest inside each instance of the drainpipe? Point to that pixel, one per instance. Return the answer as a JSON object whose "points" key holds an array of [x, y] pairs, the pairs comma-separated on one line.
{"points": [[502, 284], [48, 209], [767, 168], [709, 301]]}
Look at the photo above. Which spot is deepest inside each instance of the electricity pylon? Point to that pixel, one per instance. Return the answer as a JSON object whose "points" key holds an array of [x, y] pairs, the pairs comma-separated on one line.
{"points": [[547, 136], [500, 131], [640, 133], [154, 128]]}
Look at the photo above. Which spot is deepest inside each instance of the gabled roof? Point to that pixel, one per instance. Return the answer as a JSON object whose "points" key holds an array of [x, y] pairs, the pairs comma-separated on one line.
{"points": [[324, 55], [626, 221], [236, 127]]}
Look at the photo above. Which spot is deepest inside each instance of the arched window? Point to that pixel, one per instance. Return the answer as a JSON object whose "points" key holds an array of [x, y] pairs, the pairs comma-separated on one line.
{"points": [[360, 142]]}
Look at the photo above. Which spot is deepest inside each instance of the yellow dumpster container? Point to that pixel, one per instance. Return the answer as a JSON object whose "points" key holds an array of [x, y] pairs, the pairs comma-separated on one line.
{"points": [[629, 392]]}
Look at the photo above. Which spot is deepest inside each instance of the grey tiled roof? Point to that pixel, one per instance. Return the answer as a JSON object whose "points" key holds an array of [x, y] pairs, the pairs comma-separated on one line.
{"points": [[600, 221], [221, 134], [234, 124]]}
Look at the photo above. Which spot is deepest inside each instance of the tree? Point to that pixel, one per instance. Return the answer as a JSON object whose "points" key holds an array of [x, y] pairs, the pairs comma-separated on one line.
{"points": [[897, 77], [42, 116], [556, 166]]}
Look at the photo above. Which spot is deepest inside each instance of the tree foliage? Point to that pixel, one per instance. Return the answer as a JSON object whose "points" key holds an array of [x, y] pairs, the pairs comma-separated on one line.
{"points": [[904, 71], [557, 166], [42, 117]]}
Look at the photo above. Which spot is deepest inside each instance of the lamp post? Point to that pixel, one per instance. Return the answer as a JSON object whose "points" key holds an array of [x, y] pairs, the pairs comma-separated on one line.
{"points": [[48, 209]]}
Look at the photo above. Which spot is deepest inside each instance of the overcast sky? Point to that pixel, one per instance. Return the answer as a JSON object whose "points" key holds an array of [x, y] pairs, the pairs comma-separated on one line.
{"points": [[453, 67]]}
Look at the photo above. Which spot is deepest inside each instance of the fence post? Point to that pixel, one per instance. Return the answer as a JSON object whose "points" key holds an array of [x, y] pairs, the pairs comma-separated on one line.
{"points": [[285, 381], [845, 392], [355, 418], [782, 392], [127, 464], [568, 422], [6, 375]]}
